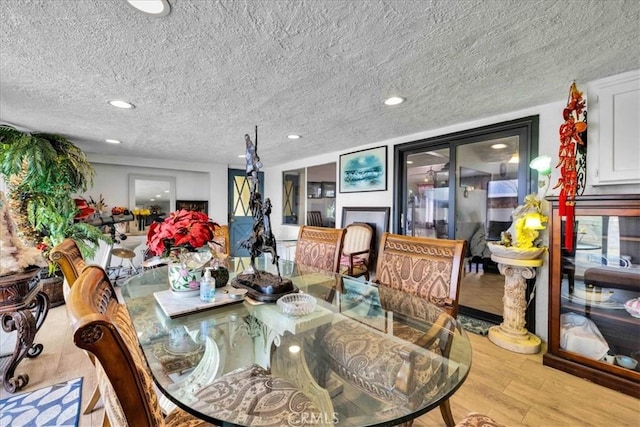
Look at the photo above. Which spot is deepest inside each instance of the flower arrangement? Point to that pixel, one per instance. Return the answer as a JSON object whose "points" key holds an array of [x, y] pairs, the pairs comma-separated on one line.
{"points": [[182, 230], [141, 212]]}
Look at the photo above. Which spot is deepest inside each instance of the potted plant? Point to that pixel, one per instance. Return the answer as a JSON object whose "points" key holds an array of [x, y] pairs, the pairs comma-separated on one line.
{"points": [[179, 237], [42, 171]]}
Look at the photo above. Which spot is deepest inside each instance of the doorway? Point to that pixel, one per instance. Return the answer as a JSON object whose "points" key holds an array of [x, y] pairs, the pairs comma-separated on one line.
{"points": [[465, 186], [240, 216]]}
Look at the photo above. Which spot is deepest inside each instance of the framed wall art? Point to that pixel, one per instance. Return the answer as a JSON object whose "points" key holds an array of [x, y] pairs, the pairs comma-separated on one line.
{"points": [[193, 205], [364, 170]]}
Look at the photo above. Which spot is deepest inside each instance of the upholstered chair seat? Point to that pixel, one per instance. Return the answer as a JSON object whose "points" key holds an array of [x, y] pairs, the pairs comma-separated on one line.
{"points": [[251, 396], [361, 356]]}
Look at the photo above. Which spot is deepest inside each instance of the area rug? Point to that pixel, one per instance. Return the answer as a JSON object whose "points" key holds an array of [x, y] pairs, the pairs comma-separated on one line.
{"points": [[476, 326], [55, 405]]}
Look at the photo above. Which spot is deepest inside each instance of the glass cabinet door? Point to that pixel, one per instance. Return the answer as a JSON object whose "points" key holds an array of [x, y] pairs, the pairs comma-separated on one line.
{"points": [[594, 291], [600, 274]]}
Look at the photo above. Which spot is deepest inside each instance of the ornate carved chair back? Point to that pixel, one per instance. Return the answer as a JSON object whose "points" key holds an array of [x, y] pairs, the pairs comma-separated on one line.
{"points": [[69, 258], [357, 249], [314, 218], [422, 267], [319, 247]]}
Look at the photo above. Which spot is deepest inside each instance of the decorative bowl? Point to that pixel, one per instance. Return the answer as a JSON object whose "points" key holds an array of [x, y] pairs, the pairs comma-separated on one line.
{"points": [[592, 293], [297, 304], [626, 362], [515, 253], [633, 307]]}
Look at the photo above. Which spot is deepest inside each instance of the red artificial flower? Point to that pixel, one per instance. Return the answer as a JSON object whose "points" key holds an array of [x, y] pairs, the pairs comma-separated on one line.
{"points": [[182, 229]]}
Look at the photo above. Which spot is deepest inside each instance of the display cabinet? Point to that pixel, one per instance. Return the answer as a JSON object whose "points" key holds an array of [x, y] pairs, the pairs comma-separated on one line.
{"points": [[592, 331]]}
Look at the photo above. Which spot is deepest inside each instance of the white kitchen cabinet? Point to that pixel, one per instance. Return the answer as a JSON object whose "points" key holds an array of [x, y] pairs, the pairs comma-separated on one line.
{"points": [[613, 133]]}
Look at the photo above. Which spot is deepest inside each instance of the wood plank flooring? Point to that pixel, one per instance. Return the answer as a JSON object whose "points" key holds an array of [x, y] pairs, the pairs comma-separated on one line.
{"points": [[515, 389]]}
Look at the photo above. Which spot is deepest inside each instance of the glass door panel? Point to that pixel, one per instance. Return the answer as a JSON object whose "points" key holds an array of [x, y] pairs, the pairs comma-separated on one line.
{"points": [[427, 207], [486, 193]]}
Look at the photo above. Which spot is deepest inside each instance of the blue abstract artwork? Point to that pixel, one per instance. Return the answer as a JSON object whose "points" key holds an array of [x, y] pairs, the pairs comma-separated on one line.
{"points": [[364, 170]]}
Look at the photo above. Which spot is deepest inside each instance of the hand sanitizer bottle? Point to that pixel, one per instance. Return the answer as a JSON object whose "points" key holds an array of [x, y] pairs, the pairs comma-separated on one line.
{"points": [[208, 286]]}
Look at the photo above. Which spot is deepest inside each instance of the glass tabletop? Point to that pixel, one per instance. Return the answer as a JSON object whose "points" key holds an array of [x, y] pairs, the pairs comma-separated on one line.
{"points": [[366, 355]]}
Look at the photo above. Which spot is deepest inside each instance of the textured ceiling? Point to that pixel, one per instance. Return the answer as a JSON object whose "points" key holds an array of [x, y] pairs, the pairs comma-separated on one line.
{"points": [[207, 73]]}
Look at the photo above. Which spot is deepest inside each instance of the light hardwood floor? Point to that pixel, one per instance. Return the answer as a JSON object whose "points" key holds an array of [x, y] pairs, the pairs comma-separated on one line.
{"points": [[515, 389]]}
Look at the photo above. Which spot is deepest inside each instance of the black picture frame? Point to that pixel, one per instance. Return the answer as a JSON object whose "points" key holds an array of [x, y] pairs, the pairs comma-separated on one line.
{"points": [[364, 170], [193, 205], [377, 217]]}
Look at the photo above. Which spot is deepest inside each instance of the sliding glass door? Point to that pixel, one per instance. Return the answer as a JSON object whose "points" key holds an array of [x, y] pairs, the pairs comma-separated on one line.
{"points": [[465, 186]]}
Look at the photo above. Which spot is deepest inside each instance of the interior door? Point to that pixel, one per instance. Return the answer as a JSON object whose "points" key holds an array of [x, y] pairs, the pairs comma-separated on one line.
{"points": [[240, 218]]}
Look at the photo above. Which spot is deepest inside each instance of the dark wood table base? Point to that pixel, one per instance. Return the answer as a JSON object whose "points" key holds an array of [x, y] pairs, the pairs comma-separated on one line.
{"points": [[24, 307]]}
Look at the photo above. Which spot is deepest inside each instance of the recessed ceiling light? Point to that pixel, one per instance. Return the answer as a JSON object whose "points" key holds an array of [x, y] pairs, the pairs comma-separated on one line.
{"points": [[294, 136], [157, 8], [394, 100], [113, 141], [121, 104], [409, 162], [152, 200], [499, 146], [242, 156], [158, 195]]}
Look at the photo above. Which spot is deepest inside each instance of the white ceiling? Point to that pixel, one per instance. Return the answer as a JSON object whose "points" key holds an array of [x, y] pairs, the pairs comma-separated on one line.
{"points": [[207, 73]]}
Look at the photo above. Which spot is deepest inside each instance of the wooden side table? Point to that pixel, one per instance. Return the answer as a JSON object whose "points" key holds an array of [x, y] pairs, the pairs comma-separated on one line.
{"points": [[23, 308]]}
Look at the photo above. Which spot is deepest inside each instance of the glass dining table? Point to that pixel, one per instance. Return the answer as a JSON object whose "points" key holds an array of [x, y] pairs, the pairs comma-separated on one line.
{"points": [[366, 355]]}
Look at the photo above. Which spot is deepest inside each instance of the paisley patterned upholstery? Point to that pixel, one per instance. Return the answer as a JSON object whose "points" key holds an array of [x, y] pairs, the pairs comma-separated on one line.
{"points": [[418, 278], [473, 419], [426, 268], [361, 356], [250, 396], [319, 247], [103, 327]]}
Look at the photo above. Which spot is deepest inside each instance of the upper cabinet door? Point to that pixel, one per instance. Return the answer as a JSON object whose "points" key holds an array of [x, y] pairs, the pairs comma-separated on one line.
{"points": [[614, 130]]}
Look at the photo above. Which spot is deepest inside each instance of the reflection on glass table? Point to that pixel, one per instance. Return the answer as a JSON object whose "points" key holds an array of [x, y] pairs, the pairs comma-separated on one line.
{"points": [[422, 350]]}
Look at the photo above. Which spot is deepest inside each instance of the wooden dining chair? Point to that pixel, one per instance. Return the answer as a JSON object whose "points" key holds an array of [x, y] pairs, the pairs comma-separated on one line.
{"points": [[102, 326], [314, 219], [68, 257], [422, 267], [418, 279], [430, 269], [319, 247], [357, 250]]}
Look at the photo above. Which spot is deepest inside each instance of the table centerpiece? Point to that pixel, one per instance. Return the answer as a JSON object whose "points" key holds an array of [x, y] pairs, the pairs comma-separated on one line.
{"points": [[180, 238]]}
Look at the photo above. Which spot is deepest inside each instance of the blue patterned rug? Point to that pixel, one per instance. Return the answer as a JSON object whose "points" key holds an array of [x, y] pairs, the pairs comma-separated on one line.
{"points": [[55, 405]]}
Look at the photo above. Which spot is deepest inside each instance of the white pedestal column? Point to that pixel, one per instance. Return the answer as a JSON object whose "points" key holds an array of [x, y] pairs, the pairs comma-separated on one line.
{"points": [[511, 333]]}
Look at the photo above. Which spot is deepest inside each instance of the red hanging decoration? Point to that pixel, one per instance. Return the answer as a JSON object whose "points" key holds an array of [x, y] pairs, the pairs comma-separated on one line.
{"points": [[570, 131]]}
